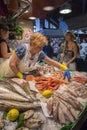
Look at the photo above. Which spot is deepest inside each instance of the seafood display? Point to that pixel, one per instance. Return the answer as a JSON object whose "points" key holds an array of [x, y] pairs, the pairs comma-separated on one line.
{"points": [[12, 95], [67, 102], [80, 79], [63, 100], [49, 83]]}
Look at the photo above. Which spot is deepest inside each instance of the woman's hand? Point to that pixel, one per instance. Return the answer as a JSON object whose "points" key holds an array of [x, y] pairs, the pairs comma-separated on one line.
{"points": [[67, 64]]}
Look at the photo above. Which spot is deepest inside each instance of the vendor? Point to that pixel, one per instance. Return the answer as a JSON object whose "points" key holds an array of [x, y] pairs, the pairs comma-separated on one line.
{"points": [[26, 56], [70, 51], [4, 49]]}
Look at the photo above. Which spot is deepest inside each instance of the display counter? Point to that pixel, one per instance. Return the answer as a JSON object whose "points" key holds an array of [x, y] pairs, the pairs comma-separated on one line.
{"points": [[50, 111]]}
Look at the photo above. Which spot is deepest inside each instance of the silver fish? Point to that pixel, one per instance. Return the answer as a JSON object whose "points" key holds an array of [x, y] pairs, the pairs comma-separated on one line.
{"points": [[19, 90], [4, 84], [33, 123], [22, 106], [3, 90], [28, 114], [12, 96]]}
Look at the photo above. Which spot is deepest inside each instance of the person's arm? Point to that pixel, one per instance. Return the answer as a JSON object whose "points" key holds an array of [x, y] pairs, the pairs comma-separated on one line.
{"points": [[14, 63], [15, 59], [62, 55], [59, 65], [4, 50], [74, 57], [55, 63]]}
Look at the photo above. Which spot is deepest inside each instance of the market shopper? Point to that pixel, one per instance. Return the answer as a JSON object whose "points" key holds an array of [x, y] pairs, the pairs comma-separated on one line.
{"points": [[26, 56], [4, 48], [70, 51]]}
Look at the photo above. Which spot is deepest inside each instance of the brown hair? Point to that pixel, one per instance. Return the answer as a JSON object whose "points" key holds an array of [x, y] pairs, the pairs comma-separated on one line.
{"points": [[71, 35], [38, 39], [4, 27]]}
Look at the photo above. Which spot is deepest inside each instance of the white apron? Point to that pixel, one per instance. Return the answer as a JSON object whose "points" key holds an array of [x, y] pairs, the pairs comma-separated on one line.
{"points": [[23, 66]]}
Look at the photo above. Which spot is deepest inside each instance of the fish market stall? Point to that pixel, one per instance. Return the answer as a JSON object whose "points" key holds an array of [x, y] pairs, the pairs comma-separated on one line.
{"points": [[43, 101]]}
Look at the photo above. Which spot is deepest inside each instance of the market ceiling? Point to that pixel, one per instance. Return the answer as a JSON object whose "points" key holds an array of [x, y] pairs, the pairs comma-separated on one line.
{"points": [[16, 8], [36, 10]]}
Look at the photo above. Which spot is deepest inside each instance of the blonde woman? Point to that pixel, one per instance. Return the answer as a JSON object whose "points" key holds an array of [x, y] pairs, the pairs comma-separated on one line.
{"points": [[70, 51], [26, 56]]}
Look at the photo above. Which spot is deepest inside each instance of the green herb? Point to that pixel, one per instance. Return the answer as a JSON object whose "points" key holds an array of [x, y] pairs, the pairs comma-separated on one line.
{"points": [[1, 78], [4, 115], [67, 127], [21, 121]]}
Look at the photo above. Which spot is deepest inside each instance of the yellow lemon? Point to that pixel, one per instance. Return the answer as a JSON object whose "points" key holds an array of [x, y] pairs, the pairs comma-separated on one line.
{"points": [[13, 114], [47, 93]]}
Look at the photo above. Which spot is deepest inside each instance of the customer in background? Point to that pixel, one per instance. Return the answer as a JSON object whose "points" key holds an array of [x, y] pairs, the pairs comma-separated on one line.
{"points": [[4, 48], [59, 52], [83, 51], [26, 56], [70, 51], [49, 49]]}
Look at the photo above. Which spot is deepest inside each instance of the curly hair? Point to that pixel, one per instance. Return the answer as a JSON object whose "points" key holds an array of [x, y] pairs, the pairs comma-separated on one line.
{"points": [[38, 39]]}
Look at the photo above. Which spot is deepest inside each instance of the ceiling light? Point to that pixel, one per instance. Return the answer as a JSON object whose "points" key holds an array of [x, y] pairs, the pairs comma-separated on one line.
{"points": [[32, 18], [65, 9], [48, 8]]}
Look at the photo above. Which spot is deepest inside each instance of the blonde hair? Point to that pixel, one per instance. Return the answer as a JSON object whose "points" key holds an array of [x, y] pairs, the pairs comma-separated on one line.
{"points": [[37, 39]]}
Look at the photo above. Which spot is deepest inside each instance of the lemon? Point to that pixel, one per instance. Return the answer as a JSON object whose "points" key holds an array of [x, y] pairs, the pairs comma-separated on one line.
{"points": [[47, 93], [13, 114]]}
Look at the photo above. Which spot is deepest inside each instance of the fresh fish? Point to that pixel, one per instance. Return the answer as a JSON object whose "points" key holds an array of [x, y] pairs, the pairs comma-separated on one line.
{"points": [[61, 116], [26, 88], [71, 109], [55, 109], [4, 84], [28, 114], [3, 90], [12, 96], [19, 90], [50, 106], [22, 106], [23, 128], [66, 112], [68, 100], [33, 123]]}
